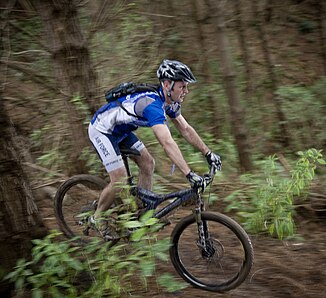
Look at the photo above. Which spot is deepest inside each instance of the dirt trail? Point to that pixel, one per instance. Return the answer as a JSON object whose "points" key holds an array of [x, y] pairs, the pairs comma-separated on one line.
{"points": [[281, 268]]}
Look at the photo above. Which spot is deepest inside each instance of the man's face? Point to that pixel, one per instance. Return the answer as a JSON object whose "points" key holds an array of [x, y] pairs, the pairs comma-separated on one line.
{"points": [[179, 91]]}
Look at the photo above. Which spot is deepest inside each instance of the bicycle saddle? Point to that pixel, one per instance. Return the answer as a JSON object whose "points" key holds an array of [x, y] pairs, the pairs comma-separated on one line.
{"points": [[129, 151]]}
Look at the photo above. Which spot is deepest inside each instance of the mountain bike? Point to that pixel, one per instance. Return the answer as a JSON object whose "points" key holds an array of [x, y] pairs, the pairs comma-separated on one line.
{"points": [[209, 250]]}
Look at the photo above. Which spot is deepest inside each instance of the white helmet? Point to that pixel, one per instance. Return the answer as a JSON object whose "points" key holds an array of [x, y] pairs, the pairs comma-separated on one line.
{"points": [[175, 71]]}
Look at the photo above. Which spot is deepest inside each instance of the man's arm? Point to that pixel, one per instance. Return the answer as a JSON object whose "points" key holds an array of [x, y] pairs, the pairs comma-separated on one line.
{"points": [[189, 134], [171, 148]]}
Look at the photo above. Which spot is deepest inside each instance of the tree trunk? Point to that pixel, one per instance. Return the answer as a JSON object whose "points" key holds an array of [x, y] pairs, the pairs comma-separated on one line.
{"points": [[244, 49], [321, 9], [20, 221], [283, 135], [215, 129], [237, 113], [73, 69]]}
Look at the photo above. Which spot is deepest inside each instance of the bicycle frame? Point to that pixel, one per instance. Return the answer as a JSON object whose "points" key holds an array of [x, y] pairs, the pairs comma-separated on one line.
{"points": [[151, 200]]}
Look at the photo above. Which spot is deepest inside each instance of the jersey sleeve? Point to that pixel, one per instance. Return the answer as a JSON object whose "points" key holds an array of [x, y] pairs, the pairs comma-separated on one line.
{"points": [[154, 114]]}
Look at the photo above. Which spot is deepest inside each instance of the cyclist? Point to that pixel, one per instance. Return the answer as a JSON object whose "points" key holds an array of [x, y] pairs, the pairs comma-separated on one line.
{"points": [[112, 125]]}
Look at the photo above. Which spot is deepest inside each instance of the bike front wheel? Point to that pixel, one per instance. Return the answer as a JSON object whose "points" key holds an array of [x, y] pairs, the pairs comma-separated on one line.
{"points": [[220, 264]]}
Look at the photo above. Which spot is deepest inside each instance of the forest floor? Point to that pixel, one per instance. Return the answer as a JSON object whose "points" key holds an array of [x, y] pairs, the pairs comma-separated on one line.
{"points": [[294, 268]]}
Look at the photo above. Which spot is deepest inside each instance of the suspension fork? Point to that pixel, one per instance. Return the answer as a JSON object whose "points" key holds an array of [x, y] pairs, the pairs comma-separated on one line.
{"points": [[201, 224]]}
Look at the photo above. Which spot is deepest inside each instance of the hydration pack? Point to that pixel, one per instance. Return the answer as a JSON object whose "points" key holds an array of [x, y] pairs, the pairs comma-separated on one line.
{"points": [[129, 88]]}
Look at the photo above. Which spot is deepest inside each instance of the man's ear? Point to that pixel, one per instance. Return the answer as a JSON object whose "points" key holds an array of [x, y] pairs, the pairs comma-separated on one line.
{"points": [[166, 84]]}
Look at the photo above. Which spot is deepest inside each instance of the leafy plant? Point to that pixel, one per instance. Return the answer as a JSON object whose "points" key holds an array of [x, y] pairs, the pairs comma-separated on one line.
{"points": [[305, 109], [57, 267], [269, 205]]}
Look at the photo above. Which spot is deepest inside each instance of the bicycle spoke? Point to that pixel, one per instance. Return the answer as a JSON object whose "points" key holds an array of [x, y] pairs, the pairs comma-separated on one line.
{"points": [[221, 263], [214, 269]]}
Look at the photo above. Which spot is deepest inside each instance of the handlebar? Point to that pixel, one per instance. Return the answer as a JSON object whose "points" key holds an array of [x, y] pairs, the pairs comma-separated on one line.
{"points": [[208, 178]]}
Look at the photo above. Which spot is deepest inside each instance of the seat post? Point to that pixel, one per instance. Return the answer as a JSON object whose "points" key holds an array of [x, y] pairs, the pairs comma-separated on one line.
{"points": [[126, 163]]}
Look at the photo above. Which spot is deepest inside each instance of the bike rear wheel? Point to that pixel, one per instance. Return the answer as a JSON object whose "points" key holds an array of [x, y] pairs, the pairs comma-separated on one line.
{"points": [[74, 202], [224, 264]]}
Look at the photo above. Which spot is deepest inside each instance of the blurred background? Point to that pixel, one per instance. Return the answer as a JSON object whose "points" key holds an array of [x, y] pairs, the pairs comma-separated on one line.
{"points": [[260, 99], [260, 67]]}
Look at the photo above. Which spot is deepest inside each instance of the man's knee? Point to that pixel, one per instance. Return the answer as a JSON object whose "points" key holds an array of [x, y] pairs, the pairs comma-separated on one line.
{"points": [[118, 176], [148, 164]]}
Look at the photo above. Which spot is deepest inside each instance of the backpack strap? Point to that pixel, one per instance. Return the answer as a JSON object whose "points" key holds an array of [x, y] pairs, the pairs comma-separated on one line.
{"points": [[136, 88], [122, 107]]}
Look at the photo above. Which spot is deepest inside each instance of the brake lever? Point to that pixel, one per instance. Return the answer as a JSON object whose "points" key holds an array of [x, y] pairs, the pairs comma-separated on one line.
{"points": [[208, 178], [212, 170]]}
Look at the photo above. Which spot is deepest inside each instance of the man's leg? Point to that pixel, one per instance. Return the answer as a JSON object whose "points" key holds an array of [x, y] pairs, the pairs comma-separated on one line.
{"points": [[110, 192], [146, 165], [108, 150], [117, 181]]}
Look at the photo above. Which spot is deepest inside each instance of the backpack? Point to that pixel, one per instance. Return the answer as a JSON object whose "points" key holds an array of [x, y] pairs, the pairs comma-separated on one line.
{"points": [[129, 88]]}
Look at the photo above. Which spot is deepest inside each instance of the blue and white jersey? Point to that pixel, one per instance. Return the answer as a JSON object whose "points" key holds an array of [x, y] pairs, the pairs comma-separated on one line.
{"points": [[148, 109]]}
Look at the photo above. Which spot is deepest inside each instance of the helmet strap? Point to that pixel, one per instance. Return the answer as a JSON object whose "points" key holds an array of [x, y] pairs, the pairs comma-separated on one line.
{"points": [[168, 92], [170, 89]]}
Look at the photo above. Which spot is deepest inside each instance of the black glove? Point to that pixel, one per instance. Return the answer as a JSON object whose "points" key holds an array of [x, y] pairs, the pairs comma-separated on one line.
{"points": [[214, 160], [196, 181]]}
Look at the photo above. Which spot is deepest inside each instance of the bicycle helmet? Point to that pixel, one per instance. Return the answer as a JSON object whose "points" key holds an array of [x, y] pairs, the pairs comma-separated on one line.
{"points": [[175, 71]]}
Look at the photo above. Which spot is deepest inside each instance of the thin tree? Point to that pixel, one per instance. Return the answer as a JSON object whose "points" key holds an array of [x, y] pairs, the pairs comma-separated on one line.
{"points": [[258, 13], [200, 19], [321, 10], [244, 48], [237, 113]]}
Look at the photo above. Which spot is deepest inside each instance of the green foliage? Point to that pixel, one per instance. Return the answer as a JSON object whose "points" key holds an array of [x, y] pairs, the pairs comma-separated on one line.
{"points": [[93, 162], [51, 157], [81, 107], [38, 134], [21, 40], [305, 113], [61, 269], [132, 36], [49, 144], [210, 99], [269, 200]]}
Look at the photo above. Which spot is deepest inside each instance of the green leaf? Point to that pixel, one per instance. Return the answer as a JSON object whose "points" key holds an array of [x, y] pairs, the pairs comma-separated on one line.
{"points": [[37, 293], [170, 283], [132, 224], [321, 161], [151, 221], [138, 234], [147, 267], [147, 215]]}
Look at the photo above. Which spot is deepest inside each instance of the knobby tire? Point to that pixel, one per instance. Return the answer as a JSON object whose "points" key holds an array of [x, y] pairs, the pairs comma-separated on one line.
{"points": [[231, 262]]}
